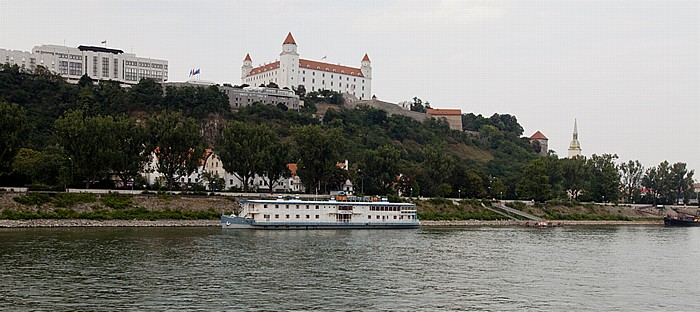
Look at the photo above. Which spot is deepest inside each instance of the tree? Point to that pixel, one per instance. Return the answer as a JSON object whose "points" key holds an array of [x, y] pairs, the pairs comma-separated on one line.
{"points": [[242, 149], [48, 167], [128, 154], [419, 106], [317, 153], [379, 169], [214, 182], [147, 96], [301, 91], [605, 178], [274, 162], [177, 144], [534, 182], [575, 174], [13, 120], [83, 139], [681, 181], [631, 174]]}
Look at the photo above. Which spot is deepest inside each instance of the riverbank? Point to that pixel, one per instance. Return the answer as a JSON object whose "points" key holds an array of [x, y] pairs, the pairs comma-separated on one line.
{"points": [[49, 223], [466, 223]]}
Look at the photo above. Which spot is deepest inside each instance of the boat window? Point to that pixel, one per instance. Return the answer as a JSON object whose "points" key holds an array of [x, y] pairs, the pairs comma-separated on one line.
{"points": [[316, 216], [286, 206], [286, 216], [265, 206], [277, 216], [316, 206], [297, 216], [277, 206], [307, 216]]}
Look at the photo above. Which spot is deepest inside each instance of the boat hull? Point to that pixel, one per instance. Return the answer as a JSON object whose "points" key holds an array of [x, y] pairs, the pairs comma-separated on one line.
{"points": [[235, 222], [681, 222]]}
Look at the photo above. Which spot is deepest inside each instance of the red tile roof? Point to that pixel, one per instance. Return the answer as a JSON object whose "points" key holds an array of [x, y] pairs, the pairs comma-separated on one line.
{"points": [[538, 135], [444, 111], [366, 58], [247, 57], [264, 68], [292, 168], [289, 39], [339, 69]]}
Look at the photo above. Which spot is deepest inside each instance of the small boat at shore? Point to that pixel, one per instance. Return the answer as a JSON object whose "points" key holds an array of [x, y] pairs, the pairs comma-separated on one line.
{"points": [[682, 219]]}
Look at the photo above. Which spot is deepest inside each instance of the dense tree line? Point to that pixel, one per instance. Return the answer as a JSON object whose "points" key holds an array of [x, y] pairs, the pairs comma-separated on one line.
{"points": [[57, 134], [600, 179]]}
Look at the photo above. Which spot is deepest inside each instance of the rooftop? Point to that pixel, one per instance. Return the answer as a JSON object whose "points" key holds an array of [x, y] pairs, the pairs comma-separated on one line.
{"points": [[538, 135], [443, 111]]}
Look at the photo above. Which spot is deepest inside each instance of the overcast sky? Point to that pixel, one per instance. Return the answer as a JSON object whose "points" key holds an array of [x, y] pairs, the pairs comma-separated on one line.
{"points": [[628, 70]]}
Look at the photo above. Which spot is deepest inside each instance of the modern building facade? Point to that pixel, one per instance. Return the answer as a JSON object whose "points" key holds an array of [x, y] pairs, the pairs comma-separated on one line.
{"points": [[452, 116], [574, 146], [292, 71], [99, 63]]}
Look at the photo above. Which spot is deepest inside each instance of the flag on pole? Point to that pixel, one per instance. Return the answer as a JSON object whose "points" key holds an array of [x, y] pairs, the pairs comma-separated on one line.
{"points": [[196, 72], [323, 58], [191, 72], [104, 42]]}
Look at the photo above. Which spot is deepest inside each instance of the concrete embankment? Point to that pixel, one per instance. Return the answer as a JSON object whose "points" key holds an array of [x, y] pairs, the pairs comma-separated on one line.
{"points": [[458, 223], [45, 223]]}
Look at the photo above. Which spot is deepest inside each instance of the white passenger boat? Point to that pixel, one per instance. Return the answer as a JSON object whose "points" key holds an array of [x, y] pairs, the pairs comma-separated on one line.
{"points": [[341, 212]]}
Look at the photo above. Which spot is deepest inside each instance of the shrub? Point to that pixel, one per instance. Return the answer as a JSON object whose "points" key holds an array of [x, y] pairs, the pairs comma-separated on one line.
{"points": [[116, 201], [440, 201], [32, 199], [66, 200]]}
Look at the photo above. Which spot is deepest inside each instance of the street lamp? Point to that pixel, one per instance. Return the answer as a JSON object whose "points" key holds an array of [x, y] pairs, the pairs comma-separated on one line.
{"points": [[71, 169], [411, 192], [459, 192]]}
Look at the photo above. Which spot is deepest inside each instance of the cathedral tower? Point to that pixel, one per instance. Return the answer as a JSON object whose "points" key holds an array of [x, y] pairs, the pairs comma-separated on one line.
{"points": [[574, 146]]}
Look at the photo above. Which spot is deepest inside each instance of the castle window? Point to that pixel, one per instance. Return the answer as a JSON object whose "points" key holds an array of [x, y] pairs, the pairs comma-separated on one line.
{"points": [[332, 75], [318, 67], [331, 83], [352, 73], [340, 84], [334, 70]]}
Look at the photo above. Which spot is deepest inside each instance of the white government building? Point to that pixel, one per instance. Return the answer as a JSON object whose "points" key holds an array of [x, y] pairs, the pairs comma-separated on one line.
{"points": [[291, 71], [99, 63]]}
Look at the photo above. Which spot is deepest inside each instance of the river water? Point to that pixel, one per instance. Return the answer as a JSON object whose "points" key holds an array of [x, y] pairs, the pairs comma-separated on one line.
{"points": [[623, 268]]}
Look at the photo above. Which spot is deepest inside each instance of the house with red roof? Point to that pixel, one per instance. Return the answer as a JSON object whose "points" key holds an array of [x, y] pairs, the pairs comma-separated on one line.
{"points": [[292, 71]]}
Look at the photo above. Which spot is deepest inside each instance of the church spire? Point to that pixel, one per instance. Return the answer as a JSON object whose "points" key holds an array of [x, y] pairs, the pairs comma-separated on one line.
{"points": [[575, 146]]}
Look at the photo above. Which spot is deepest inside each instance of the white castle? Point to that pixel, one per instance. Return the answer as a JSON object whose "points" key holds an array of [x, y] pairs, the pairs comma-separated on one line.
{"points": [[292, 71]]}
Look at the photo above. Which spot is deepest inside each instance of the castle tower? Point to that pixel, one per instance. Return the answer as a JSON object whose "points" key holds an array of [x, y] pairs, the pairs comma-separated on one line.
{"points": [[366, 67], [247, 66], [542, 141], [366, 70], [574, 146], [289, 63]]}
